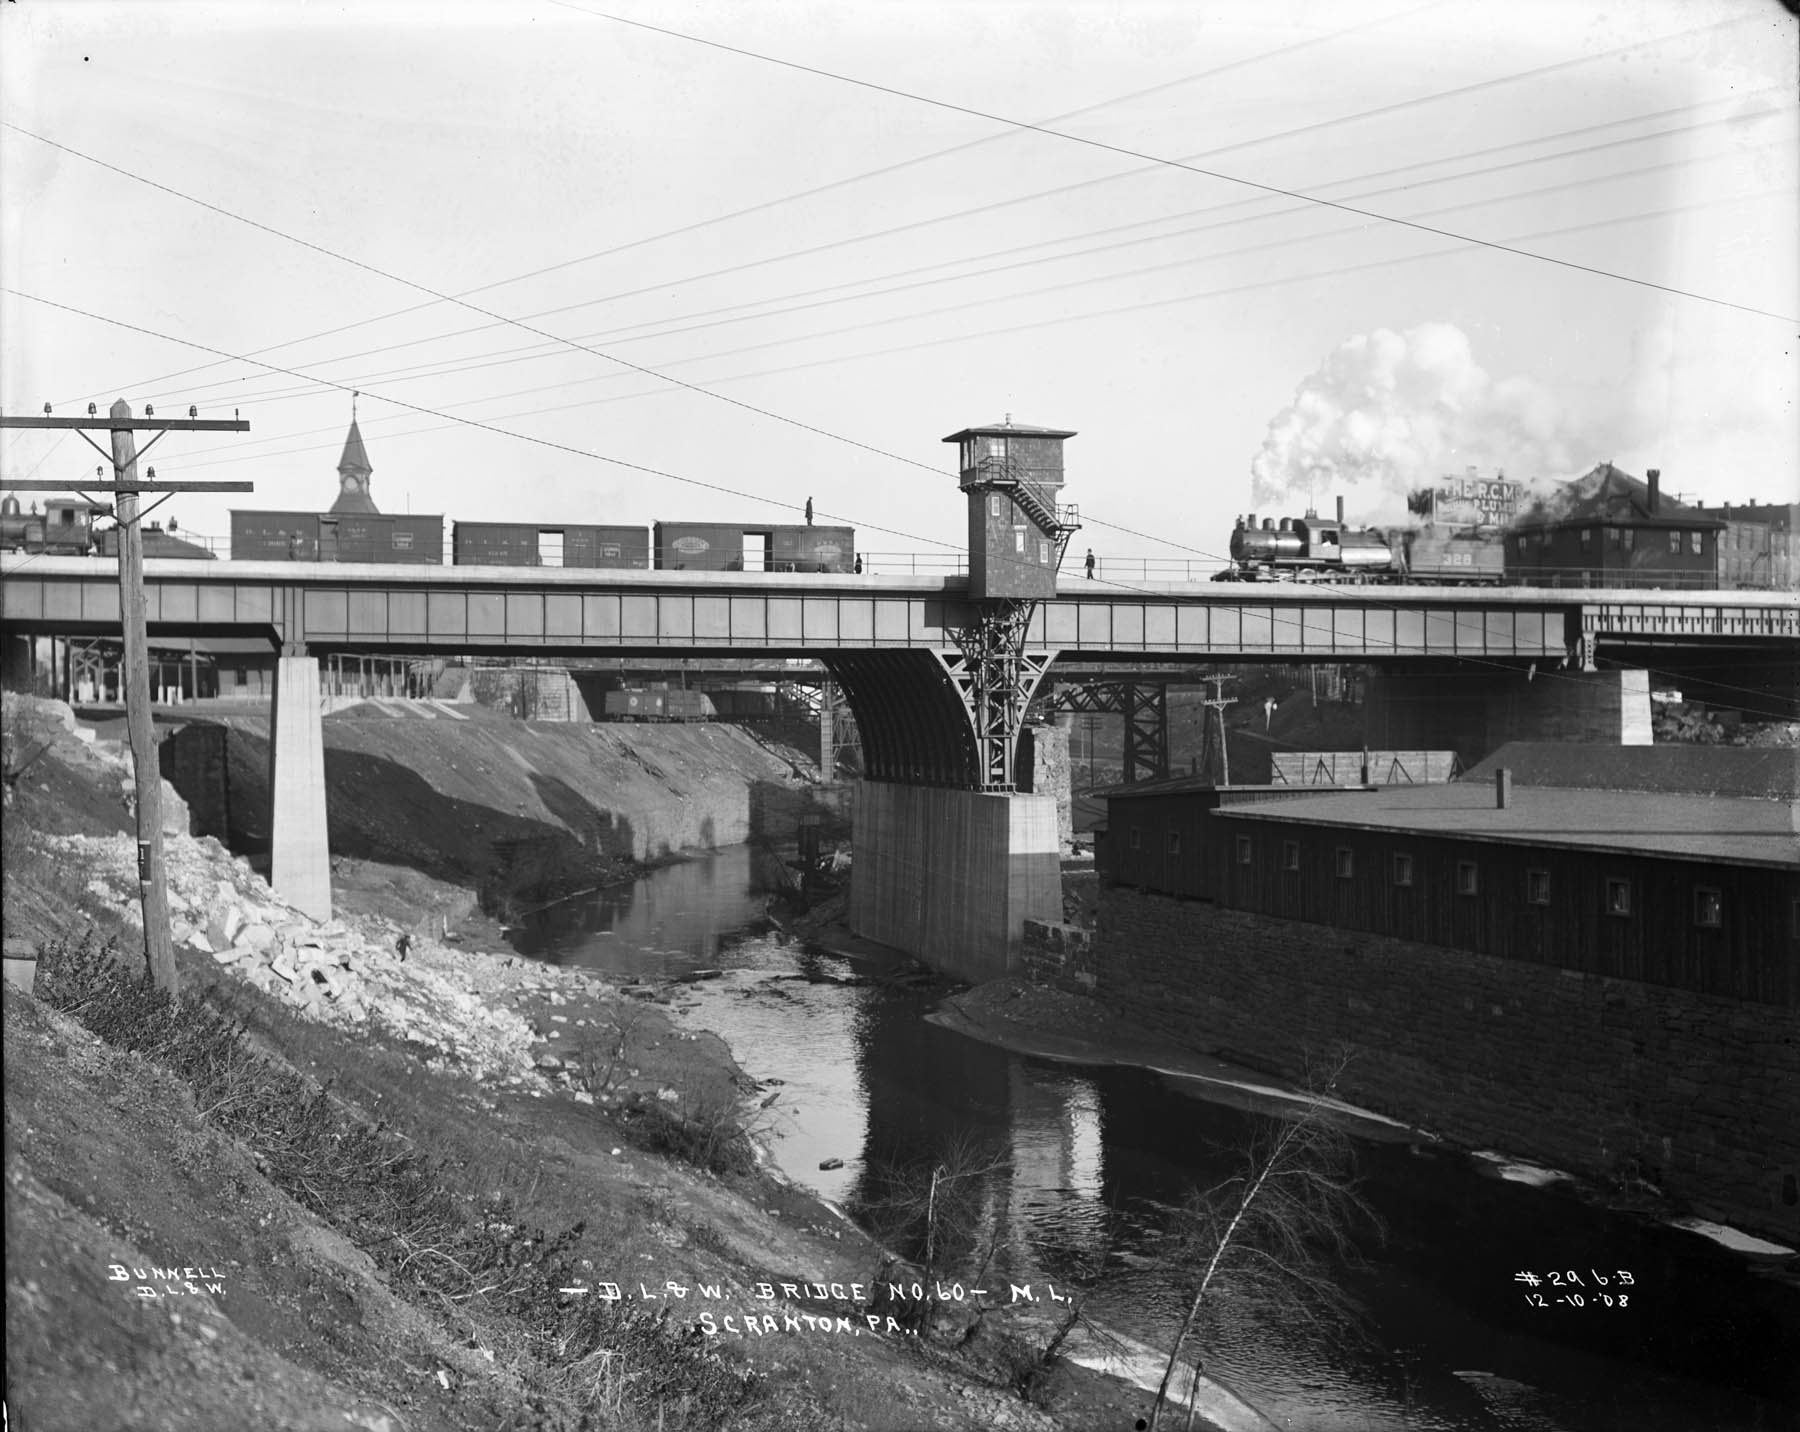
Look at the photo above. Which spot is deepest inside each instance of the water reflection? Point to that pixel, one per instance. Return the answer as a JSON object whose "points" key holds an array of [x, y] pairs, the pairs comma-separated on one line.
{"points": [[1087, 1157]]}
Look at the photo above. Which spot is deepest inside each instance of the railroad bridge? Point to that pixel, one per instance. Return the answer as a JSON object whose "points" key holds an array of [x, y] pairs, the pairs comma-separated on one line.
{"points": [[951, 857]]}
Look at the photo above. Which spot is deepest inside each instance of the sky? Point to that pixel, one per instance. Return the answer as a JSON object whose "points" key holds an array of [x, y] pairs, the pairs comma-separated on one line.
{"points": [[617, 262]]}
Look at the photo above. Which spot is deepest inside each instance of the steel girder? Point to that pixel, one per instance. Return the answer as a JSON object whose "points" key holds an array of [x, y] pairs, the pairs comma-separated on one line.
{"points": [[1145, 707]]}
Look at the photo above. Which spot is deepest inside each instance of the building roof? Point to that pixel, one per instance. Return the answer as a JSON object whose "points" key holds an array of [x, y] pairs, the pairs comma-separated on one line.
{"points": [[354, 457], [1767, 773], [1783, 517], [1697, 827], [1000, 430], [1609, 494]]}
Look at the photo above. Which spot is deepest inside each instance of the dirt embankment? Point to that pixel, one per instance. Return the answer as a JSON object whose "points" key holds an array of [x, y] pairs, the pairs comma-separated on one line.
{"points": [[337, 1188], [516, 813]]}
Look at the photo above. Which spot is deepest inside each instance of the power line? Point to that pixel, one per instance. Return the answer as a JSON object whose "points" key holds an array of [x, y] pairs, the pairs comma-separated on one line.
{"points": [[1302, 130], [1006, 331], [814, 192], [534, 352], [710, 318], [1156, 159]]}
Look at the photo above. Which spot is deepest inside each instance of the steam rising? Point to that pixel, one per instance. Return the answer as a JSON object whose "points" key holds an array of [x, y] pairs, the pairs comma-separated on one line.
{"points": [[1390, 412]]}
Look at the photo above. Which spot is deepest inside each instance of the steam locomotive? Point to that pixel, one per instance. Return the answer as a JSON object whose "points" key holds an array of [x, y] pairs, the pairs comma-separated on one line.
{"points": [[1315, 549], [65, 528]]}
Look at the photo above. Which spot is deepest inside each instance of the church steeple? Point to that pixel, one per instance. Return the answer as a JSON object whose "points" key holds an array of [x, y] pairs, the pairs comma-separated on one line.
{"points": [[354, 472]]}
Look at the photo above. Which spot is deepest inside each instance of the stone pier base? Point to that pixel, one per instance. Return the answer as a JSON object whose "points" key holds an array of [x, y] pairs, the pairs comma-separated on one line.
{"points": [[299, 848], [951, 876]]}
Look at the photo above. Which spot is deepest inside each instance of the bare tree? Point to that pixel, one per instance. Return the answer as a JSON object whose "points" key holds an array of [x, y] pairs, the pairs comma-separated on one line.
{"points": [[1270, 1238]]}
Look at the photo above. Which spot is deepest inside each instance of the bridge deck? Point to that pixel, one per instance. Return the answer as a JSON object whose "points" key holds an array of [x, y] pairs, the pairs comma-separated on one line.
{"points": [[329, 606]]}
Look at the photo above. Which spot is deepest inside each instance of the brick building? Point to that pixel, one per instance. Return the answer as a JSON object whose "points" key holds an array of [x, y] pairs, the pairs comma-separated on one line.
{"points": [[1758, 548]]}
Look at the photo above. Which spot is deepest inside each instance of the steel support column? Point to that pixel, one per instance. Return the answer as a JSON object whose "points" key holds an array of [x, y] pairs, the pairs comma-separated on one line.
{"points": [[997, 680]]}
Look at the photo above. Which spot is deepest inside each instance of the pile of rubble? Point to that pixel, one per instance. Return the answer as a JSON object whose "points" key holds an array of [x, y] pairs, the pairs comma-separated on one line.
{"points": [[338, 972]]}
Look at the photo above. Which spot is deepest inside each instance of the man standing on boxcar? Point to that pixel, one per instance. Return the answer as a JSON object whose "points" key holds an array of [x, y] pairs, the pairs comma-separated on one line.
{"points": [[1090, 564], [809, 512]]}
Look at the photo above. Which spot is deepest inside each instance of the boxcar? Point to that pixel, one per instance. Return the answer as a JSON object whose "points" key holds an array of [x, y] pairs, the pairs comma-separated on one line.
{"points": [[659, 704], [780, 547], [529, 544], [336, 537]]}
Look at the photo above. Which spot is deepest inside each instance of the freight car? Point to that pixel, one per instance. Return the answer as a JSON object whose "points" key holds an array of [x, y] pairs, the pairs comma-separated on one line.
{"points": [[529, 544], [719, 547], [659, 705], [65, 528], [336, 537]]}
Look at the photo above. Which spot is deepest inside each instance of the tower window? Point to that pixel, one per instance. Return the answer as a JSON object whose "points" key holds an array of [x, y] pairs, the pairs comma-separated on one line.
{"points": [[993, 504]]}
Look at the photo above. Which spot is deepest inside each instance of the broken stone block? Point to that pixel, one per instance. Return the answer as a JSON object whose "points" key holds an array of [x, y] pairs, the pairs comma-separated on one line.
{"points": [[228, 955], [255, 937]]}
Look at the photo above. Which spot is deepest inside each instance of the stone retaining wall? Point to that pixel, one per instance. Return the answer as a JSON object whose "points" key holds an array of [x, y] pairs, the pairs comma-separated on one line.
{"points": [[1060, 956], [1693, 1094]]}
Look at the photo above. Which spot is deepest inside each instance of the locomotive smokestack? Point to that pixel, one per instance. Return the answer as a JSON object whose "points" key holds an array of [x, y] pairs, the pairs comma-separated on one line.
{"points": [[1655, 478]]}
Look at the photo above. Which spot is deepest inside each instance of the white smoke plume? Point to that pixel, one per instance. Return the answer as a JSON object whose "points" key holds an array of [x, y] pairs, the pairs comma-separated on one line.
{"points": [[1388, 413]]}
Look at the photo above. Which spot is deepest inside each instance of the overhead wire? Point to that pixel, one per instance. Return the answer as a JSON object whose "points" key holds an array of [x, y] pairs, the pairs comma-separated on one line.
{"points": [[664, 328], [678, 328], [882, 171], [1318, 126], [1036, 324], [1160, 160]]}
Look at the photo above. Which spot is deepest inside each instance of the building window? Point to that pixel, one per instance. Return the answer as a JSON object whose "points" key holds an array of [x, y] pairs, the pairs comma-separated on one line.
{"points": [[1618, 897], [1587, 538], [1708, 906], [1674, 541], [1630, 538], [1174, 842], [1344, 862], [1402, 869], [1137, 838], [1290, 855], [1696, 541], [1468, 882], [1537, 887], [1244, 850], [1613, 536]]}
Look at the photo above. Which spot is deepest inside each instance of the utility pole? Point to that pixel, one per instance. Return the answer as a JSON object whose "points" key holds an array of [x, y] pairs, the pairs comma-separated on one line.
{"points": [[153, 894], [1215, 708]]}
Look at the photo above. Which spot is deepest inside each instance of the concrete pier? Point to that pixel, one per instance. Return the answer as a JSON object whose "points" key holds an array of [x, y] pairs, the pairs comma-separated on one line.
{"points": [[299, 847], [1475, 713], [950, 876]]}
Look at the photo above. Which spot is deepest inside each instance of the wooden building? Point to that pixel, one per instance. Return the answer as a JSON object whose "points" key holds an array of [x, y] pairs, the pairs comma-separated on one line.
{"points": [[1700, 891], [1607, 529]]}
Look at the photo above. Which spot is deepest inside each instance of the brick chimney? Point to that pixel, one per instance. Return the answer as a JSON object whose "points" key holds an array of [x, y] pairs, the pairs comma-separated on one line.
{"points": [[1502, 788], [1654, 475]]}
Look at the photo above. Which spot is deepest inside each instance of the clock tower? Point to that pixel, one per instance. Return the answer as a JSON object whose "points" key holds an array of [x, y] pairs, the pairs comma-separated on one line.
{"points": [[353, 476]]}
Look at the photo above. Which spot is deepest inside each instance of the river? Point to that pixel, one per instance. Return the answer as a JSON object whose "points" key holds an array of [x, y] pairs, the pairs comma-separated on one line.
{"points": [[1673, 1331]]}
